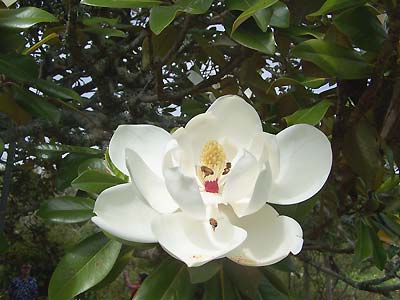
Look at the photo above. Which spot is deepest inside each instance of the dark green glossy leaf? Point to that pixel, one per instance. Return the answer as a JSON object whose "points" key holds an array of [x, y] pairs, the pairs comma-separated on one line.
{"points": [[251, 37], [361, 150], [299, 211], [37, 105], [106, 32], [275, 280], [285, 265], [280, 15], [378, 252], [312, 115], [93, 164], [68, 168], [19, 67], [170, 281], [51, 88], [266, 291], [122, 3], [205, 272], [364, 246], [335, 5], [251, 11], [303, 31], [162, 16], [335, 60], [362, 27], [24, 17], [61, 149], [123, 259], [311, 82], [220, 288], [95, 182], [11, 41], [99, 21], [67, 209], [82, 268], [245, 279]]}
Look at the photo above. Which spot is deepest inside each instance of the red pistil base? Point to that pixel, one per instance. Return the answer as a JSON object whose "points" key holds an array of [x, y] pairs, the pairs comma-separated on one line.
{"points": [[211, 186]]}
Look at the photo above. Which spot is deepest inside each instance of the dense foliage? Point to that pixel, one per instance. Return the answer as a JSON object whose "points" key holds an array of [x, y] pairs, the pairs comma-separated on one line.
{"points": [[71, 72]]}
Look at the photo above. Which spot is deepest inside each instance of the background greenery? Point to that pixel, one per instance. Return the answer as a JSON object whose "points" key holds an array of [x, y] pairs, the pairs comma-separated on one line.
{"points": [[71, 72]]}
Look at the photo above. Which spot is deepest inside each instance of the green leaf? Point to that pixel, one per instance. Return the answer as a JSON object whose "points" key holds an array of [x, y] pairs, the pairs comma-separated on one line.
{"points": [[335, 5], [266, 291], [170, 281], [90, 21], [280, 15], [220, 288], [3, 243], [251, 11], [82, 268], [378, 252], [12, 109], [123, 259], [362, 27], [205, 272], [364, 246], [95, 182], [19, 67], [68, 168], [251, 37], [122, 3], [67, 209], [311, 116], [275, 281], [302, 31], [311, 82], [114, 169], [1, 145], [361, 150], [110, 32], [335, 60], [245, 279], [162, 16], [93, 164], [36, 105], [61, 149], [24, 17], [51, 88], [299, 211], [11, 41]]}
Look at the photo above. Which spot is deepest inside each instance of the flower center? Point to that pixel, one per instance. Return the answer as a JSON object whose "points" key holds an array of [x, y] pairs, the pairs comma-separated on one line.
{"points": [[213, 165]]}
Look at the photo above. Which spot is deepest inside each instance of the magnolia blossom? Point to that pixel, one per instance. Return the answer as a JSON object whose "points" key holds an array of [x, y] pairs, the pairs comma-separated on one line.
{"points": [[202, 192]]}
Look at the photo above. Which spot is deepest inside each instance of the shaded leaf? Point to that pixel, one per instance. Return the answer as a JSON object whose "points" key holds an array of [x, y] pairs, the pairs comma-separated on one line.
{"points": [[51, 88], [19, 67], [83, 267], [298, 211], [67, 209], [275, 281], [3, 243], [11, 108], [364, 246], [362, 27], [220, 288], [378, 252], [205, 272], [93, 164]]}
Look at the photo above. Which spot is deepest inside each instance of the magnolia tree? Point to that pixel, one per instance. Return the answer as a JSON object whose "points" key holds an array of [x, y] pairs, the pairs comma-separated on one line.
{"points": [[250, 149]]}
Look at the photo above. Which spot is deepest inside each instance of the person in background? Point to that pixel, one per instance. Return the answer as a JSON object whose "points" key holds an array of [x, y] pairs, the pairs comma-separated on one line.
{"points": [[23, 287], [135, 286]]}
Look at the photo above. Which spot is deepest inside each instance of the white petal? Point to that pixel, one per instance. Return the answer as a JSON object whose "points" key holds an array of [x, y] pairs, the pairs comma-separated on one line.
{"points": [[195, 242], [122, 212], [240, 181], [265, 148], [146, 140], [259, 196], [151, 186], [212, 198], [238, 120], [305, 163], [185, 192], [270, 238]]}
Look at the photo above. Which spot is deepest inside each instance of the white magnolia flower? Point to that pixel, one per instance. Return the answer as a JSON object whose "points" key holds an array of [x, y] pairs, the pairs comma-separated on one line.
{"points": [[201, 192]]}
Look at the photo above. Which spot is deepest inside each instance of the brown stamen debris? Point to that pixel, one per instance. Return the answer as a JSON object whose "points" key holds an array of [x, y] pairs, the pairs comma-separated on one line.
{"points": [[213, 223]]}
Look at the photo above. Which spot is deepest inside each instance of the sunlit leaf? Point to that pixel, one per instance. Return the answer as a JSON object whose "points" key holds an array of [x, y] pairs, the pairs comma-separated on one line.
{"points": [[312, 115], [95, 182], [24, 17]]}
